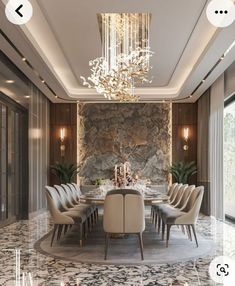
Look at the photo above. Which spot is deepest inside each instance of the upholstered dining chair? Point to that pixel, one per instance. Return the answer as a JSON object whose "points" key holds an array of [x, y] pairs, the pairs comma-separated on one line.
{"points": [[156, 207], [169, 192], [92, 209], [123, 214], [186, 216], [62, 218]]}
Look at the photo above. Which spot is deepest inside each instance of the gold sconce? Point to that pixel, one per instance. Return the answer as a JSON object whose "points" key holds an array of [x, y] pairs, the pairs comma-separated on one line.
{"points": [[186, 138], [62, 139]]}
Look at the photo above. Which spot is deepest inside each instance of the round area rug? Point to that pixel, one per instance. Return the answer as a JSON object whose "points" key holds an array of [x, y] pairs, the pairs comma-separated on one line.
{"points": [[125, 250]]}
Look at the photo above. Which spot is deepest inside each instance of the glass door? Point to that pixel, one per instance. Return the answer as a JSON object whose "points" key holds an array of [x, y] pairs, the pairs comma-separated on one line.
{"points": [[11, 174], [229, 159]]}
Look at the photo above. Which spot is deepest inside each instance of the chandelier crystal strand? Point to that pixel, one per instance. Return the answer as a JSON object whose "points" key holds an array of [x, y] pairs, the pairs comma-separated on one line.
{"points": [[125, 57]]}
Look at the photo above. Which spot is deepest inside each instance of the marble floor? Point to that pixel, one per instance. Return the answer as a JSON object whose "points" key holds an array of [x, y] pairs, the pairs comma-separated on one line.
{"points": [[49, 271]]}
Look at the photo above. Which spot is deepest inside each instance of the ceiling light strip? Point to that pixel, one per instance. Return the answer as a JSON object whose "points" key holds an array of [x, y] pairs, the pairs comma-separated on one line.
{"points": [[26, 62]]}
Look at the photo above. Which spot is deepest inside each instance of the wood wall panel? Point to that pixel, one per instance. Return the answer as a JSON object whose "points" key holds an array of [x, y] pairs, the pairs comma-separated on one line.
{"points": [[63, 115], [184, 115]]}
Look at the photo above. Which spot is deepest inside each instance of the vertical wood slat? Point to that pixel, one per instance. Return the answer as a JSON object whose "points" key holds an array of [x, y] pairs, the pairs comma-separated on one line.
{"points": [[63, 115], [184, 115]]}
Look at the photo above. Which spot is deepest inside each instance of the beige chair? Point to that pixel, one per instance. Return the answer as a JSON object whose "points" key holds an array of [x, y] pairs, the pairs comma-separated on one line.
{"points": [[169, 192], [172, 198], [62, 218], [76, 198], [186, 216], [123, 214]]}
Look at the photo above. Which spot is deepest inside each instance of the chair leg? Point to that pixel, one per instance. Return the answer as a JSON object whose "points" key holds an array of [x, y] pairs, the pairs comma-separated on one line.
{"points": [[168, 226], [155, 220], [106, 245], [182, 228], [60, 229], [163, 230], [81, 234], [194, 233], [159, 223], [141, 245], [189, 232], [65, 229], [53, 234], [92, 220]]}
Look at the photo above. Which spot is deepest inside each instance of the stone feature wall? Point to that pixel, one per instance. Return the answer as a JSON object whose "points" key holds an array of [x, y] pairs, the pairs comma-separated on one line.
{"points": [[115, 133]]}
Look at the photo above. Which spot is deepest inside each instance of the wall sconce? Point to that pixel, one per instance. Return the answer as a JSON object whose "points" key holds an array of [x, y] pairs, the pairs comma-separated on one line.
{"points": [[62, 139], [185, 137]]}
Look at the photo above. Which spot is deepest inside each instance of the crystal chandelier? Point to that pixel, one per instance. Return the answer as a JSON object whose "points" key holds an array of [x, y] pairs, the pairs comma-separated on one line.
{"points": [[126, 55]]}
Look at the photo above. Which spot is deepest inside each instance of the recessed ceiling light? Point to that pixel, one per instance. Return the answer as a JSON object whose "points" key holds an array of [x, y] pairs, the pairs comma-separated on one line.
{"points": [[43, 81], [203, 80], [24, 59], [27, 96], [190, 96], [56, 96], [222, 58], [10, 81]]}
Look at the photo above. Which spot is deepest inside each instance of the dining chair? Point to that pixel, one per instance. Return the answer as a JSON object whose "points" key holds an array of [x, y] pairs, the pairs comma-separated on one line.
{"points": [[76, 194], [123, 214], [62, 218], [156, 207], [186, 216]]}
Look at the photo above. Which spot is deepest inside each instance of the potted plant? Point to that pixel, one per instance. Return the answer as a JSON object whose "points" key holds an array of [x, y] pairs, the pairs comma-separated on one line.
{"points": [[98, 182], [183, 171], [65, 172]]}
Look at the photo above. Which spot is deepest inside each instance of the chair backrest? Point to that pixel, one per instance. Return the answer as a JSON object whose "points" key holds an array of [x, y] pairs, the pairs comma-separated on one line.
{"points": [[78, 190], [171, 189], [179, 194], [174, 192], [69, 193], [193, 207], [54, 205], [185, 196], [63, 197], [74, 192], [124, 212], [113, 216], [192, 198]]}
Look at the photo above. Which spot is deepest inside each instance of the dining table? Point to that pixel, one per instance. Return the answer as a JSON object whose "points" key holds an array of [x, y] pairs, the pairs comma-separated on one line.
{"points": [[97, 197]]}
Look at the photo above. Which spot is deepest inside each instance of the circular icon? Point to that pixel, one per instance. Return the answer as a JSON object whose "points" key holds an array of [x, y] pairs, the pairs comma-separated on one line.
{"points": [[222, 270], [19, 12], [221, 13]]}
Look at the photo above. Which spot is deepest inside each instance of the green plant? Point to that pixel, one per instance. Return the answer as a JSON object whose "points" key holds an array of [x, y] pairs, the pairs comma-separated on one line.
{"points": [[65, 172], [98, 181], [182, 171]]}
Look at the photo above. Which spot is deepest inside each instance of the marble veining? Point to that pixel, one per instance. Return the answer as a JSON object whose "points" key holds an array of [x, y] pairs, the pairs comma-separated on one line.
{"points": [[49, 271]]}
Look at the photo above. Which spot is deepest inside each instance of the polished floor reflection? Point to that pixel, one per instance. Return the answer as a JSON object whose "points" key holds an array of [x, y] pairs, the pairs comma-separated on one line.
{"points": [[50, 271]]}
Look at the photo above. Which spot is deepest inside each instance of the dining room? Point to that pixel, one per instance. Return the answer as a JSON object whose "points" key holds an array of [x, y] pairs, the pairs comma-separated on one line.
{"points": [[117, 143]]}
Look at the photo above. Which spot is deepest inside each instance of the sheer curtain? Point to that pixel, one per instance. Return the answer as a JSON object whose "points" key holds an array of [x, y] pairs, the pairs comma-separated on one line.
{"points": [[216, 147]]}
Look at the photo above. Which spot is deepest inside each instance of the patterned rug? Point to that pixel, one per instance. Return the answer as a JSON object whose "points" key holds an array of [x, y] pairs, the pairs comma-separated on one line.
{"points": [[125, 250]]}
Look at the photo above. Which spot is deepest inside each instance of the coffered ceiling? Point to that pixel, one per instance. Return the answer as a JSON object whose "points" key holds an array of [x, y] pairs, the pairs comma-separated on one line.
{"points": [[63, 36]]}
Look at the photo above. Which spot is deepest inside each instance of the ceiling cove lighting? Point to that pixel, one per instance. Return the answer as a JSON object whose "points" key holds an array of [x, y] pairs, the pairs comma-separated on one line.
{"points": [[10, 81], [216, 64], [126, 55]]}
